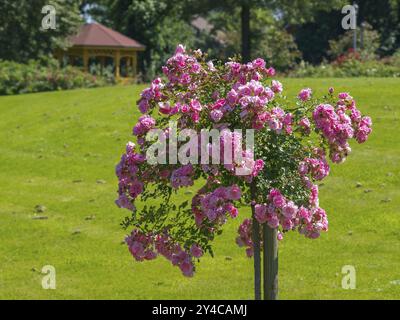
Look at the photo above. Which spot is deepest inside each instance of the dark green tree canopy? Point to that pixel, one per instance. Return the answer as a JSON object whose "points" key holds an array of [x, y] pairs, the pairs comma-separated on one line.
{"points": [[21, 34]]}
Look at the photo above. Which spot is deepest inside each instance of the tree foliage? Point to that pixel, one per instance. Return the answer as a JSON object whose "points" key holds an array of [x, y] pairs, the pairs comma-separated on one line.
{"points": [[313, 37], [384, 17], [21, 34], [269, 38], [158, 24]]}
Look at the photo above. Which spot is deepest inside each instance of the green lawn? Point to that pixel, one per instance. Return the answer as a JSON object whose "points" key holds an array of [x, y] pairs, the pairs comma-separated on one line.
{"points": [[59, 150]]}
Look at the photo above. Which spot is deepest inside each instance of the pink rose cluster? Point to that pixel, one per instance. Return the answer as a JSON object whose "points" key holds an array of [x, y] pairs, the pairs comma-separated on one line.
{"points": [[130, 186], [338, 127], [144, 125], [305, 125], [153, 93], [305, 94], [247, 168], [218, 109], [182, 177], [148, 246], [362, 125], [191, 110], [181, 68], [214, 206], [141, 246], [278, 120], [317, 167], [244, 166], [253, 97], [242, 73], [284, 213], [247, 91], [244, 238]]}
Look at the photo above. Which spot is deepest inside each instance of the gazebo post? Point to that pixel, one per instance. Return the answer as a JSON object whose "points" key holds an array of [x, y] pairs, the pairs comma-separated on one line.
{"points": [[85, 60], [134, 64], [116, 63]]}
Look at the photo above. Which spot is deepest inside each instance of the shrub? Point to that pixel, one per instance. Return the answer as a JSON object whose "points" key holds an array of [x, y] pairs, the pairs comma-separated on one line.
{"points": [[350, 66], [105, 72], [369, 44], [349, 63], [37, 76]]}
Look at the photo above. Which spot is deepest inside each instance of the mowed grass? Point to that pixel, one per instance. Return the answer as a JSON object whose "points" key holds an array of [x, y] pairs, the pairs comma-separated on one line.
{"points": [[59, 150]]}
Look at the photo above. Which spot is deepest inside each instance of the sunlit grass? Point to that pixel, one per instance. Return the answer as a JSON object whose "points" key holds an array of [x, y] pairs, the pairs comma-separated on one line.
{"points": [[59, 150]]}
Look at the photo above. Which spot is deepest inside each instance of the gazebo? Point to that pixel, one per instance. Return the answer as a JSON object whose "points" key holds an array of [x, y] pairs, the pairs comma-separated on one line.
{"points": [[95, 41]]}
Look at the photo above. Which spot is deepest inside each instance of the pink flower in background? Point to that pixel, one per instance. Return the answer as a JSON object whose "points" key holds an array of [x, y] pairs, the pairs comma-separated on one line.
{"points": [[259, 63], [276, 86], [305, 94], [271, 72], [343, 95], [196, 251]]}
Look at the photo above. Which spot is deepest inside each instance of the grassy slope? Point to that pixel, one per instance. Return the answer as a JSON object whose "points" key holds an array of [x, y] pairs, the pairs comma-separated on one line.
{"points": [[49, 140]]}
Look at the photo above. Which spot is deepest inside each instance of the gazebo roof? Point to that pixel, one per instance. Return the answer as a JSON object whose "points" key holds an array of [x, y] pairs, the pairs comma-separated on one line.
{"points": [[97, 35]]}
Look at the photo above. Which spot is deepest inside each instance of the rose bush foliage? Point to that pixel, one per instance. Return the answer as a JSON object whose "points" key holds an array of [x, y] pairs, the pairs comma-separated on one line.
{"points": [[294, 141]]}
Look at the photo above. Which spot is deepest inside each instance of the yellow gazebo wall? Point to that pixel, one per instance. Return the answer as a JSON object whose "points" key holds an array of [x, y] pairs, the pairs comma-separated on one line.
{"points": [[115, 53]]}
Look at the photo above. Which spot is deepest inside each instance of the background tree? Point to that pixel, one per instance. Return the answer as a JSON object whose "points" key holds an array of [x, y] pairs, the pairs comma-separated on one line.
{"points": [[21, 35], [283, 31], [384, 17], [288, 11], [269, 38], [313, 38], [158, 24]]}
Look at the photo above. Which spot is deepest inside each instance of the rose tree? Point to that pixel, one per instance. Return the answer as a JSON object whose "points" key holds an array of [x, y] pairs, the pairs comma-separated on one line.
{"points": [[277, 175]]}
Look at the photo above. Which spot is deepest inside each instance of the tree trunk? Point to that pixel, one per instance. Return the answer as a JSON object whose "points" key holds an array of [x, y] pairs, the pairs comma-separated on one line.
{"points": [[270, 250], [256, 246], [245, 19]]}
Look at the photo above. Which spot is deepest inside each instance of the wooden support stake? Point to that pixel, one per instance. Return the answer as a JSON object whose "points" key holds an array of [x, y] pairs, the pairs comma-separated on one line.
{"points": [[256, 246], [270, 248]]}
